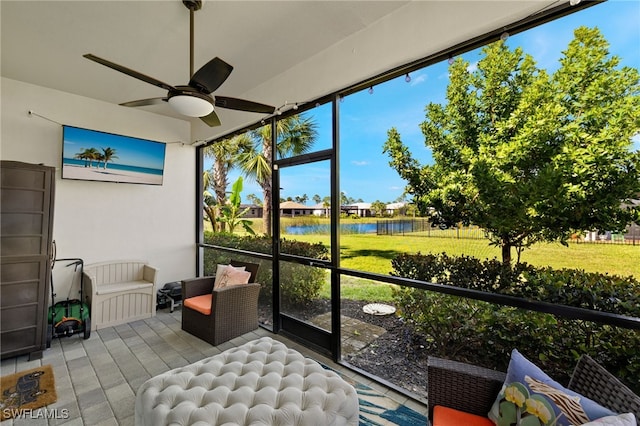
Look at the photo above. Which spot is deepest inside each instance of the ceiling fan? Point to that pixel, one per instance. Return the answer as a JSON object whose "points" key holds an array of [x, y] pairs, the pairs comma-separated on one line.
{"points": [[195, 99]]}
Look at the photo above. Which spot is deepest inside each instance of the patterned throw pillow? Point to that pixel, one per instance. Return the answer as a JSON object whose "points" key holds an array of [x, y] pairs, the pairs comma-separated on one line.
{"points": [[222, 274], [235, 277], [529, 397]]}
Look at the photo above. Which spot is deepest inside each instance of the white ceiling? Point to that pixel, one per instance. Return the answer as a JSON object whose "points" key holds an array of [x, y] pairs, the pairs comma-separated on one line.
{"points": [[43, 41]]}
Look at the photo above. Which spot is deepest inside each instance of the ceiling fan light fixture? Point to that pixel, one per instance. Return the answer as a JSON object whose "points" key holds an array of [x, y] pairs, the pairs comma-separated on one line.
{"points": [[191, 106]]}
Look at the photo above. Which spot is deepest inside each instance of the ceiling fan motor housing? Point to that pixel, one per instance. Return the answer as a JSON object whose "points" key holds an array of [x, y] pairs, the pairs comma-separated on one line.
{"points": [[189, 91], [192, 4]]}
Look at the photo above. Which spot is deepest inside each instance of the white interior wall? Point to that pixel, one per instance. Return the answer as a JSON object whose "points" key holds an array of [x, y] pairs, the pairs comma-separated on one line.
{"points": [[100, 221]]}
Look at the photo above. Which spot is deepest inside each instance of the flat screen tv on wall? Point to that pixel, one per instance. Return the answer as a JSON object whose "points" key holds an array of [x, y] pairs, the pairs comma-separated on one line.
{"points": [[107, 157]]}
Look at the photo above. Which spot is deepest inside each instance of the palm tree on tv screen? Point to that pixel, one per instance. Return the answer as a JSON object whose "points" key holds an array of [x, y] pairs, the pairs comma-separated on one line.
{"points": [[107, 155], [89, 155]]}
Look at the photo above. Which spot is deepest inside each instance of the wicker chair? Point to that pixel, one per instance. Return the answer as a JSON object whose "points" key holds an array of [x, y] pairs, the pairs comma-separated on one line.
{"points": [[473, 389], [234, 309]]}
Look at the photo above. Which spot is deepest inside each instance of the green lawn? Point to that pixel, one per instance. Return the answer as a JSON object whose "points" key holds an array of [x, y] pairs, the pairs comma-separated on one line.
{"points": [[360, 289], [373, 253]]}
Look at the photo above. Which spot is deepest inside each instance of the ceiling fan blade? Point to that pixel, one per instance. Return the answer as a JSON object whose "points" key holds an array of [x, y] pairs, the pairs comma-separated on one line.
{"points": [[243, 105], [211, 75], [144, 102], [212, 119], [129, 71]]}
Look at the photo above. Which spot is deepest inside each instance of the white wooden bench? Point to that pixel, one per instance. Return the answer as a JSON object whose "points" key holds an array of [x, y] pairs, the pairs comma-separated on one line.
{"points": [[120, 291]]}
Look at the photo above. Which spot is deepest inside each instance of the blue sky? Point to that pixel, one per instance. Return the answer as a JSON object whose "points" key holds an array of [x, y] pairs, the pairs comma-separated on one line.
{"points": [[129, 151], [366, 117]]}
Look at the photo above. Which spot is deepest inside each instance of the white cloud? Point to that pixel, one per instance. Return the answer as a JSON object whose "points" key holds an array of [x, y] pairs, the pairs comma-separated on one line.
{"points": [[418, 79], [360, 163]]}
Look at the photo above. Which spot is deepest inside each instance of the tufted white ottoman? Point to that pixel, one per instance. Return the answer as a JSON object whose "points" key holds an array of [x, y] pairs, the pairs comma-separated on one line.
{"points": [[259, 383]]}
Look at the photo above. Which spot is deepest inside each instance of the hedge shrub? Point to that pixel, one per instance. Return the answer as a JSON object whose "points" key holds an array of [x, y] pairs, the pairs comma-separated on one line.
{"points": [[300, 284], [483, 333], [571, 287]]}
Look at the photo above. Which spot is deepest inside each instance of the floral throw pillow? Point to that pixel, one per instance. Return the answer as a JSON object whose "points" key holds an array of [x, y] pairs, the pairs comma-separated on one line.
{"points": [[529, 397]]}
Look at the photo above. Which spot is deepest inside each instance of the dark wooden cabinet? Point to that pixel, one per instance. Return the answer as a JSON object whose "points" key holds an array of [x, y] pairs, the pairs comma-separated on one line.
{"points": [[26, 220]]}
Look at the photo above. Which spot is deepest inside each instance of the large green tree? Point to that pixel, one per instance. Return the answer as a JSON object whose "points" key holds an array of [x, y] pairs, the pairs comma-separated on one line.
{"points": [[296, 135], [527, 155]]}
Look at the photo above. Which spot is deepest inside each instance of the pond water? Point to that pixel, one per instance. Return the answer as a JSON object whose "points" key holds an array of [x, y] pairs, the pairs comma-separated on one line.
{"points": [[387, 227], [345, 228]]}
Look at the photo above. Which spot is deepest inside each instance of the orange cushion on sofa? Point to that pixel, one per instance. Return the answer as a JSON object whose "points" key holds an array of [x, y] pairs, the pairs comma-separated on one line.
{"points": [[201, 304], [444, 416]]}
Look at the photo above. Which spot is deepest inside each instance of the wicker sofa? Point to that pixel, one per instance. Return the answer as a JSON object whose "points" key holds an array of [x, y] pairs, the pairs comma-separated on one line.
{"points": [[473, 389]]}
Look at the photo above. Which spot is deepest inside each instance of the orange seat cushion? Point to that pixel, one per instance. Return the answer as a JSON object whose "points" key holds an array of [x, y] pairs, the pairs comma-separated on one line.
{"points": [[444, 416], [201, 304]]}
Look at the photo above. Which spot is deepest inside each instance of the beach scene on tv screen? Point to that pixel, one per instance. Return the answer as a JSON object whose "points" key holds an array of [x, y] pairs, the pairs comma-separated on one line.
{"points": [[93, 155]]}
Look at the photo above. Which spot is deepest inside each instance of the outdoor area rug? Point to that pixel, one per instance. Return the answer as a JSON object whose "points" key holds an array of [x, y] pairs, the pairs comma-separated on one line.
{"points": [[378, 409], [27, 390]]}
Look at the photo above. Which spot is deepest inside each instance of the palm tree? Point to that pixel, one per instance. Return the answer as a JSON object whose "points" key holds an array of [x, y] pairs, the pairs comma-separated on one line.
{"points": [[302, 199], [89, 154], [108, 153], [99, 157], [82, 156], [224, 154], [296, 135], [326, 203], [379, 208], [209, 203], [253, 199]]}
